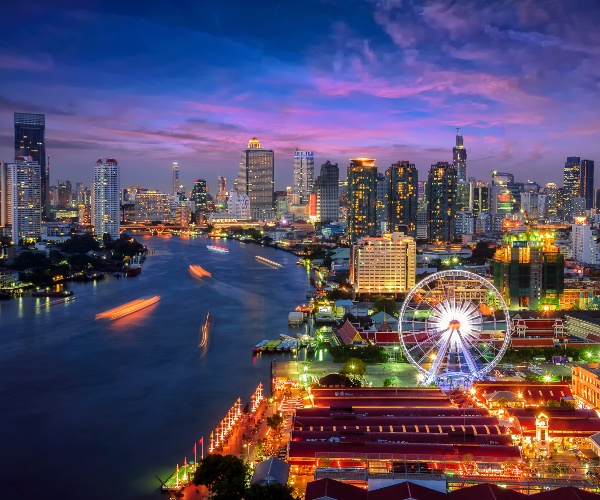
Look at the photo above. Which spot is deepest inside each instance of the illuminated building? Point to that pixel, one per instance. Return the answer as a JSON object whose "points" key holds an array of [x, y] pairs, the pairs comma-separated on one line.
{"points": [[586, 386], [441, 194], [402, 197], [572, 177], [385, 265], [64, 189], [30, 131], [464, 223], [501, 197], [584, 246], [222, 195], [381, 205], [587, 183], [256, 179], [327, 191], [199, 195], [304, 174], [481, 198], [528, 271], [84, 212], [105, 205], [239, 205], [362, 198], [459, 157], [20, 199], [152, 206]]}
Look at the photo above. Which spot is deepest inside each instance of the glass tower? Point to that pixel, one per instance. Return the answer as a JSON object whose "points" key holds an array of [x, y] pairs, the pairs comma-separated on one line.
{"points": [[362, 197], [403, 185], [256, 178], [587, 183], [441, 194], [459, 157]]}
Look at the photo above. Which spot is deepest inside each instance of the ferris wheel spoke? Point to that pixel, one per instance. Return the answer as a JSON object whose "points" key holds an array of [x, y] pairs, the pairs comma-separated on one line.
{"points": [[441, 356], [467, 354]]}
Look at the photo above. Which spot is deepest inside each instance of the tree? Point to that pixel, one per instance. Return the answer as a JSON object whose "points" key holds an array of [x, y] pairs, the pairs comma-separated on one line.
{"points": [[275, 491], [383, 304], [388, 382], [354, 366], [276, 422], [224, 475]]}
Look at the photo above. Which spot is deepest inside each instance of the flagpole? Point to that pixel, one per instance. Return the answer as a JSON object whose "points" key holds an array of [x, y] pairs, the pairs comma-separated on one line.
{"points": [[202, 456], [195, 457]]}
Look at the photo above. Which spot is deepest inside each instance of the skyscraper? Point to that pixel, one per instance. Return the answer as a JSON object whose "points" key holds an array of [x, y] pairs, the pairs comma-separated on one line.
{"points": [[362, 198], [30, 130], [441, 192], [199, 195], [106, 192], [326, 189], [256, 179], [587, 183], [304, 174], [175, 179], [459, 157], [403, 185], [572, 177], [64, 193]]}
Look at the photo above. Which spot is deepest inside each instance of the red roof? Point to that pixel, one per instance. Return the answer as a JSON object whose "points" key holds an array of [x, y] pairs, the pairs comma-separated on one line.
{"points": [[379, 391], [383, 402], [346, 333], [532, 392], [406, 490], [487, 491], [563, 426], [398, 412], [330, 488], [566, 493]]}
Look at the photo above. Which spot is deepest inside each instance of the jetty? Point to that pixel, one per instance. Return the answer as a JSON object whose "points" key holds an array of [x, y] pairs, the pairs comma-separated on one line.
{"points": [[129, 308]]}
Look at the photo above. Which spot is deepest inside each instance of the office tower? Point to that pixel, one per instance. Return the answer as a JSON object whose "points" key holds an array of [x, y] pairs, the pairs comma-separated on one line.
{"points": [[64, 189], [402, 197], [106, 194], [30, 130], [422, 195], [199, 195], [481, 198], [238, 205], [385, 265], [20, 199], [572, 177], [304, 174], [152, 206], [441, 193], [327, 191], [281, 205], [459, 157], [256, 179], [175, 179], [222, 192], [464, 196], [516, 189], [529, 271], [587, 183], [501, 200], [381, 204], [597, 206], [362, 194]]}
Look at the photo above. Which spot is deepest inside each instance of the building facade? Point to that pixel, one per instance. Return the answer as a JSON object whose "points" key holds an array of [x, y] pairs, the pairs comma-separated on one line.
{"points": [[402, 199], [106, 199], [441, 194], [587, 183], [571, 181], [199, 196], [256, 179], [152, 206], [584, 247], [362, 198], [385, 265], [304, 174], [30, 140], [326, 190], [459, 157], [239, 205]]}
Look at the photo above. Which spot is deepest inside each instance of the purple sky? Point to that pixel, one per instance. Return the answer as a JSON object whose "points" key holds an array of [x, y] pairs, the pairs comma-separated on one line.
{"points": [[150, 83]]}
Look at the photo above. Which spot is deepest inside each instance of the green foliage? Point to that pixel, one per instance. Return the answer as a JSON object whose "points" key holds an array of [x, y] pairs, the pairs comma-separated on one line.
{"points": [[80, 244], [383, 304], [367, 354], [388, 382], [275, 491], [354, 366], [225, 476], [33, 260], [338, 294], [126, 246], [527, 354], [276, 422]]}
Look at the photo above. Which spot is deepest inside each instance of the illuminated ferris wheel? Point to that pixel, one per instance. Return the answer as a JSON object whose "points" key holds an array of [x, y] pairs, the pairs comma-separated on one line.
{"points": [[454, 328]]}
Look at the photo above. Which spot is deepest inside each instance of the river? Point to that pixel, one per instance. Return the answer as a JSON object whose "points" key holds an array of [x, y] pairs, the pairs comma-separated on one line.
{"points": [[94, 409]]}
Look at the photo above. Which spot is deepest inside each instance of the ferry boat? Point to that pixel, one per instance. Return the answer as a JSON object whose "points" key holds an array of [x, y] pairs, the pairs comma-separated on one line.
{"points": [[199, 272], [129, 308], [258, 347], [217, 248], [48, 293], [134, 268]]}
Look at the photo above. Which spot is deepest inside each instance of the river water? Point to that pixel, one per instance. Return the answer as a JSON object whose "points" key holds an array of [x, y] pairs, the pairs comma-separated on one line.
{"points": [[94, 409]]}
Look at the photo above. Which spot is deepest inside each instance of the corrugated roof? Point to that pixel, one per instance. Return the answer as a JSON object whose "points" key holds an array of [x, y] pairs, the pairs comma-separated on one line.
{"points": [[271, 470]]}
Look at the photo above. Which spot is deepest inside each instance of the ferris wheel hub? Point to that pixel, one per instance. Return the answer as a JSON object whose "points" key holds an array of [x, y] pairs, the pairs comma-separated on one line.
{"points": [[454, 325]]}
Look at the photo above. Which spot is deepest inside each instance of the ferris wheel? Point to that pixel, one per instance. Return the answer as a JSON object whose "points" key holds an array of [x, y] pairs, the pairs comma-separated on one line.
{"points": [[454, 328]]}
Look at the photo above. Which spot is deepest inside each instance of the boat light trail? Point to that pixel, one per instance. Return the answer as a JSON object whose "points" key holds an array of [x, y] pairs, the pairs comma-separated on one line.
{"points": [[129, 308], [199, 272], [267, 261]]}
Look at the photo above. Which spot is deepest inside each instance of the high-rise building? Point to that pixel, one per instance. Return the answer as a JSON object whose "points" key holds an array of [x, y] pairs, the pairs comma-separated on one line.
{"points": [[441, 193], [20, 199], [30, 130], [584, 245], [529, 271], [64, 189], [239, 205], [385, 265], [304, 174], [572, 177], [362, 194], [106, 196], [402, 201], [199, 195], [459, 157], [326, 189], [175, 179], [587, 183], [256, 178], [222, 194], [381, 203], [501, 200], [597, 206], [152, 206], [481, 198]]}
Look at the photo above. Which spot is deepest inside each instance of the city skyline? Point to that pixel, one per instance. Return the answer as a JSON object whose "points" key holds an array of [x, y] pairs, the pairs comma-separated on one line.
{"points": [[383, 79]]}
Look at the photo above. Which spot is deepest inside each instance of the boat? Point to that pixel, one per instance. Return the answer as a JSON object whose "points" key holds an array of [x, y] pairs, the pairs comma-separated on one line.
{"points": [[274, 345], [134, 267], [258, 347], [199, 272], [267, 261], [205, 330], [129, 308], [217, 248], [48, 293]]}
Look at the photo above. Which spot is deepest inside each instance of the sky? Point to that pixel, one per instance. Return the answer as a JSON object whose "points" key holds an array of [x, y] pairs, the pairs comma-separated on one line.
{"points": [[154, 82]]}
